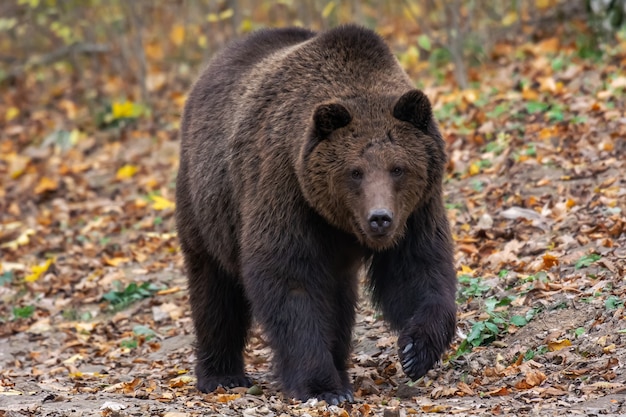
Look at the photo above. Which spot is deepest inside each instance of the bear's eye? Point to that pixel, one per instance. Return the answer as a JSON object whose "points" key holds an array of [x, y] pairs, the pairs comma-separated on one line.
{"points": [[356, 174], [397, 172]]}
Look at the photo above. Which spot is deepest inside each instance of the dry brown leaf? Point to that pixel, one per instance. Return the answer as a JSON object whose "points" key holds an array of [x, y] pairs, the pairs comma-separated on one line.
{"points": [[549, 261], [46, 184], [498, 392], [465, 389], [435, 408], [531, 379]]}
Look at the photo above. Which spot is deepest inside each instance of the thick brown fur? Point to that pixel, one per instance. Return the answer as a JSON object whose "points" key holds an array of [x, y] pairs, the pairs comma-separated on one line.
{"points": [[305, 157]]}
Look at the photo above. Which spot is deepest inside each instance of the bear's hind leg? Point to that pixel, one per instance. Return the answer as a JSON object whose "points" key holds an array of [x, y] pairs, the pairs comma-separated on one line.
{"points": [[221, 317]]}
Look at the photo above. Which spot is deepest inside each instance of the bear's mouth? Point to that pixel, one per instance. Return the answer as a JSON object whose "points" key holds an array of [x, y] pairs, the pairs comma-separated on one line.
{"points": [[375, 240], [380, 241]]}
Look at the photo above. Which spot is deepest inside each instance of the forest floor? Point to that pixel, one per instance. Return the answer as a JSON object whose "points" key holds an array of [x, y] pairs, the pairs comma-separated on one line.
{"points": [[94, 317]]}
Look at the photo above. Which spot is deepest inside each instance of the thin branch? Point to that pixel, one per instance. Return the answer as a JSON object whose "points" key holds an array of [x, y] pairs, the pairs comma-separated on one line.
{"points": [[57, 55]]}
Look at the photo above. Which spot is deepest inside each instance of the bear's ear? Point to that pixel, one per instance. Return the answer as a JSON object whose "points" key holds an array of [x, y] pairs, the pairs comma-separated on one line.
{"points": [[414, 107], [330, 117]]}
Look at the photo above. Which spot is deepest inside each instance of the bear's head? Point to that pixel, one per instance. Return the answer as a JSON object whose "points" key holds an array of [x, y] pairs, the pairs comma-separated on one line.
{"points": [[368, 163]]}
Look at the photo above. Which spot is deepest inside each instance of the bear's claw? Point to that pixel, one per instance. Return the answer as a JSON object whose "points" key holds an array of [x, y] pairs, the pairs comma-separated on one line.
{"points": [[417, 358], [336, 398]]}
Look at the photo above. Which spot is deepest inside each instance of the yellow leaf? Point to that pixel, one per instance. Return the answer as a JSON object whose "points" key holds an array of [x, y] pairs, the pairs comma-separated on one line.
{"points": [[474, 169], [125, 172], [38, 270], [46, 184], [411, 10], [161, 203], [226, 14], [202, 41], [609, 349], [509, 18], [328, 9], [17, 164], [466, 269], [177, 35], [558, 345], [74, 136], [123, 109], [246, 26], [542, 4], [12, 113]]}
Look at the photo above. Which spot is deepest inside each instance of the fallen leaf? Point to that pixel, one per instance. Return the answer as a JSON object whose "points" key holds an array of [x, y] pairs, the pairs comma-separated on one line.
{"points": [[549, 261], [435, 408], [11, 113], [116, 261], [224, 398], [161, 203], [558, 345], [38, 270], [531, 379], [125, 172], [46, 184]]}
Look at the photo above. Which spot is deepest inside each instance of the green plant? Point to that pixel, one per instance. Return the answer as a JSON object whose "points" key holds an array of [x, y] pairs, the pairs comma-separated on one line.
{"points": [[498, 111], [470, 287], [587, 260], [129, 343], [532, 353], [121, 298], [556, 113], [487, 331], [138, 331], [23, 312], [613, 303]]}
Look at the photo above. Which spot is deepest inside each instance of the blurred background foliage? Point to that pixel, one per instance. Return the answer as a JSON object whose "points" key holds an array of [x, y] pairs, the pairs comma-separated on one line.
{"points": [[139, 46]]}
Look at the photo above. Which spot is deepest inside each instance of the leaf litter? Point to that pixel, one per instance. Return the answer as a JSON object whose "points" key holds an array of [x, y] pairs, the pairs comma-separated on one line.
{"points": [[94, 314]]}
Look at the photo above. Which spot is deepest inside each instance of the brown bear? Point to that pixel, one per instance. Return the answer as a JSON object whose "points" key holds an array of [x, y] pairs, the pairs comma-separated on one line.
{"points": [[304, 158]]}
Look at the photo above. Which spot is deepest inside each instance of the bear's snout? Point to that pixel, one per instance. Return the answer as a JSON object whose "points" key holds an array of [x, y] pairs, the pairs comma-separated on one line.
{"points": [[380, 221]]}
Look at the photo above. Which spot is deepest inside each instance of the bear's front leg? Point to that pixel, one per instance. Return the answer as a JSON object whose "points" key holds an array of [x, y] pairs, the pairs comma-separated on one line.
{"points": [[293, 298], [415, 285], [425, 337]]}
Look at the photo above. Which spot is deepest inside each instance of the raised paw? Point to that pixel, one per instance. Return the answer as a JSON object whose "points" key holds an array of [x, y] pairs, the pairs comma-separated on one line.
{"points": [[416, 357], [420, 345], [210, 383]]}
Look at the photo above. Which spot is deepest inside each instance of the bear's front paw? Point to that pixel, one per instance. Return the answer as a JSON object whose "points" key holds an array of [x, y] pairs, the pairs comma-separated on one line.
{"points": [[208, 384], [417, 357], [421, 345], [335, 397]]}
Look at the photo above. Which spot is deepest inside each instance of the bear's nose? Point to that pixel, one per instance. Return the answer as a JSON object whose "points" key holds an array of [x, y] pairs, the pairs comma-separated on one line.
{"points": [[380, 221]]}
